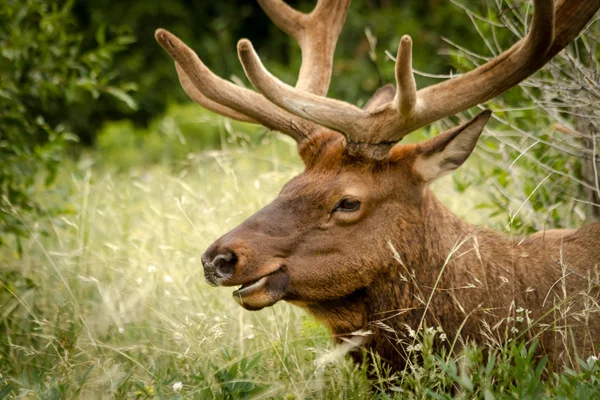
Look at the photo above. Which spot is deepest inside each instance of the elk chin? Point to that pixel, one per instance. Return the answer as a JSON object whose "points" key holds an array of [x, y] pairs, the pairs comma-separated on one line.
{"points": [[263, 292]]}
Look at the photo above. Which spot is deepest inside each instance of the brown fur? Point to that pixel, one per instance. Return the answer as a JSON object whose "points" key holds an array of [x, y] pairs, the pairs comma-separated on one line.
{"points": [[341, 266]]}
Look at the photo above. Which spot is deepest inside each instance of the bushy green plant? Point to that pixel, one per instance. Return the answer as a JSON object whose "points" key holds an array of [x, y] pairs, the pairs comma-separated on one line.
{"points": [[48, 86]]}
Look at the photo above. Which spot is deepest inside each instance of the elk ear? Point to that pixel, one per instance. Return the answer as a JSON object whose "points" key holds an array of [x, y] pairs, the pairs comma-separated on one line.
{"points": [[449, 150], [382, 96]]}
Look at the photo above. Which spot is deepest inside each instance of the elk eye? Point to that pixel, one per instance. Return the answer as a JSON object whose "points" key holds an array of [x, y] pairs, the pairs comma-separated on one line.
{"points": [[348, 205]]}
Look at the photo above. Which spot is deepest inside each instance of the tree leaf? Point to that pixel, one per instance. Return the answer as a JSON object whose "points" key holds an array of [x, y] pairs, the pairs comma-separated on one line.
{"points": [[123, 96]]}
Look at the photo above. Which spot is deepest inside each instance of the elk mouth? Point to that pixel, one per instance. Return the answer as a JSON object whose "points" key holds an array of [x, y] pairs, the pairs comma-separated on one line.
{"points": [[251, 287], [262, 292]]}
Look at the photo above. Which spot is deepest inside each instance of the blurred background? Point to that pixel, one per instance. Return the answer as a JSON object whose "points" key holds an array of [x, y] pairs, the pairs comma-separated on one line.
{"points": [[112, 182], [88, 77]]}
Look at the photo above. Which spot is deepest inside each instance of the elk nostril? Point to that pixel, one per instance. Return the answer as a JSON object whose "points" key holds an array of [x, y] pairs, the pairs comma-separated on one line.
{"points": [[224, 264]]}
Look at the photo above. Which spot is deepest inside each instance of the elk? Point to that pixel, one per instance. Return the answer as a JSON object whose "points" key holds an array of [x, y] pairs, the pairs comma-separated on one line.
{"points": [[342, 237]]}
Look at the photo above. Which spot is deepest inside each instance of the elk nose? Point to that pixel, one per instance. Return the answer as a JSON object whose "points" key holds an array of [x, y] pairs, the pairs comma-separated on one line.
{"points": [[219, 266]]}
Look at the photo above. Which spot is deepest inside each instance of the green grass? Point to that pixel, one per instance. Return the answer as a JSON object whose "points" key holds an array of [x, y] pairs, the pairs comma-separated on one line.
{"points": [[109, 301], [112, 300]]}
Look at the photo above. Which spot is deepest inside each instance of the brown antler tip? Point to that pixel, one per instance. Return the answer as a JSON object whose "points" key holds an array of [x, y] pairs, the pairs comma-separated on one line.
{"points": [[405, 47], [160, 35], [166, 39], [405, 100], [244, 45]]}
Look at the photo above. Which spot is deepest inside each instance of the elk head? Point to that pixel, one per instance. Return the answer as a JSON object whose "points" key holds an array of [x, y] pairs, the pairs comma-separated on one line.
{"points": [[326, 235]]}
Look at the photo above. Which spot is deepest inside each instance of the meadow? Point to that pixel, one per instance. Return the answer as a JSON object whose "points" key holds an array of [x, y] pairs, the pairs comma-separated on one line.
{"points": [[108, 300]]}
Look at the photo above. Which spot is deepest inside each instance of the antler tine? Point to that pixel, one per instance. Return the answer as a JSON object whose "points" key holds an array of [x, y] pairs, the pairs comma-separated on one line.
{"points": [[541, 33], [204, 101], [406, 92], [225, 97], [317, 34], [496, 76], [289, 20], [334, 114]]}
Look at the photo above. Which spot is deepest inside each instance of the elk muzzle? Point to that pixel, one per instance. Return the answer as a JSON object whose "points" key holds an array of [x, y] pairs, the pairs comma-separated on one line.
{"points": [[218, 267], [262, 281]]}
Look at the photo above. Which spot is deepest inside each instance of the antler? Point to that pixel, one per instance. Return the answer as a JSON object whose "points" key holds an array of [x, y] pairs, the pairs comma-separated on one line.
{"points": [[550, 32], [317, 35]]}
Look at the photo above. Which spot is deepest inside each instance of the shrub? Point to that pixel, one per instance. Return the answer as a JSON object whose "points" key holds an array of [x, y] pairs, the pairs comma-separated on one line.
{"points": [[48, 85]]}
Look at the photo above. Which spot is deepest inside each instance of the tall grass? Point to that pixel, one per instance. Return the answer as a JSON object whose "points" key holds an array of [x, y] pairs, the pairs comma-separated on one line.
{"points": [[112, 301], [109, 301]]}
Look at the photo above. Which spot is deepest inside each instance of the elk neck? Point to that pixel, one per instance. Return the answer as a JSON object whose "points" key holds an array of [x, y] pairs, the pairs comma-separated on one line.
{"points": [[420, 253]]}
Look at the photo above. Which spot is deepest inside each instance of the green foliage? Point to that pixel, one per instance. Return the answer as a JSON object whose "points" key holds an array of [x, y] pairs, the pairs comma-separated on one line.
{"points": [[49, 85], [582, 384], [175, 136], [513, 371]]}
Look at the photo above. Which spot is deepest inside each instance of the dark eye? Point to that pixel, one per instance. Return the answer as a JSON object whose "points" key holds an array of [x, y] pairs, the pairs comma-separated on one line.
{"points": [[348, 205]]}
